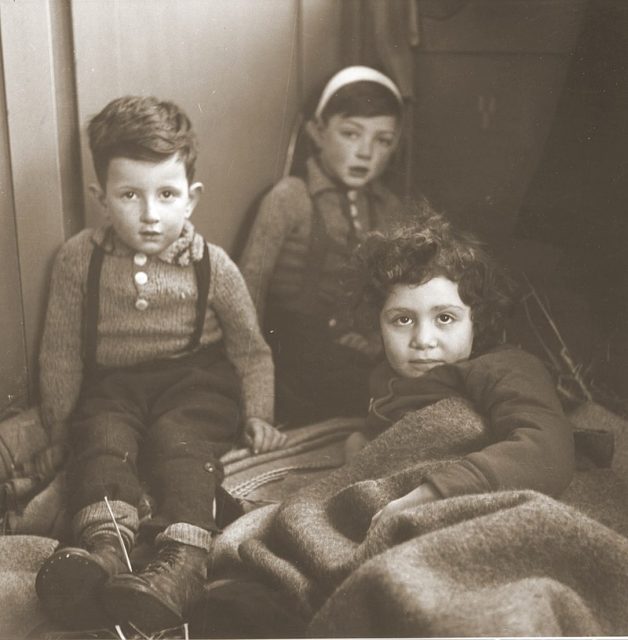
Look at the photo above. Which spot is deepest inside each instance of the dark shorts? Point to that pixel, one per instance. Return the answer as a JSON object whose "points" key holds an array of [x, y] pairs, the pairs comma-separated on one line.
{"points": [[316, 378], [160, 426]]}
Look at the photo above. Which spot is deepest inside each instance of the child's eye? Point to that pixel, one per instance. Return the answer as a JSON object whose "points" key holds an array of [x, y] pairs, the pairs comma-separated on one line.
{"points": [[167, 194], [385, 142], [129, 195], [402, 321], [349, 134], [445, 318]]}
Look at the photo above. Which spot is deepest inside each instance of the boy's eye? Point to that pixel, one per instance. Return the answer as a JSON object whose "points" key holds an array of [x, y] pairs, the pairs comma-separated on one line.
{"points": [[129, 195], [167, 194]]}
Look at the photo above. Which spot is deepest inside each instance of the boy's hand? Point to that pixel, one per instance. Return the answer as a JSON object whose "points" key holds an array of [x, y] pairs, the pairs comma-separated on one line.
{"points": [[358, 342], [423, 494], [260, 436]]}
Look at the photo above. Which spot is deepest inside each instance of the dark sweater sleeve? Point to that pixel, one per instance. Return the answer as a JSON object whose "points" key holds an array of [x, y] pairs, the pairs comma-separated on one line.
{"points": [[271, 228], [244, 343], [533, 444]]}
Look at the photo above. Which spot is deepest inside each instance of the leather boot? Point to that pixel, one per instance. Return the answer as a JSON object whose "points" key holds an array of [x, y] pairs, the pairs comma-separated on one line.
{"points": [[158, 597], [70, 581]]}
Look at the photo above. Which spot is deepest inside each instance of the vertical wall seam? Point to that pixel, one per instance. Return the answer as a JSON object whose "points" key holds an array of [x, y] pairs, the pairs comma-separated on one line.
{"points": [[300, 56], [68, 124], [33, 136], [25, 388]]}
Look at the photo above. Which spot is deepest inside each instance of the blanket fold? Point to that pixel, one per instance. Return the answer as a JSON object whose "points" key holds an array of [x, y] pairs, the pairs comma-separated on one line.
{"points": [[507, 563], [503, 564]]}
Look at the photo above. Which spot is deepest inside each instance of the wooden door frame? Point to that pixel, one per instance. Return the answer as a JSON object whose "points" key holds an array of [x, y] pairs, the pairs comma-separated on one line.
{"points": [[45, 176]]}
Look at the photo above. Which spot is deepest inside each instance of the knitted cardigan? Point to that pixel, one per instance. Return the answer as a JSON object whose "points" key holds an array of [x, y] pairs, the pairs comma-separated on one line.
{"points": [[128, 335]]}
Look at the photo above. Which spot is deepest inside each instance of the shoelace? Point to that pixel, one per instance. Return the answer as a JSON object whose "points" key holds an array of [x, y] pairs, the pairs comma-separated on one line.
{"points": [[103, 544], [167, 556]]}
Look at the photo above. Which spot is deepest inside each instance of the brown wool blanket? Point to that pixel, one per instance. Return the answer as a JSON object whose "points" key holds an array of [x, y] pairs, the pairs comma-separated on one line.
{"points": [[510, 563]]}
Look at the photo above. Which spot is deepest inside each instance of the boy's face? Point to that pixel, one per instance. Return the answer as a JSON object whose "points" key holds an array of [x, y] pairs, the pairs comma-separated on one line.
{"points": [[355, 150], [147, 202], [424, 326]]}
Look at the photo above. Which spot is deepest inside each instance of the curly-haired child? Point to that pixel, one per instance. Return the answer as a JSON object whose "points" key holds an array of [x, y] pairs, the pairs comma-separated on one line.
{"points": [[441, 304]]}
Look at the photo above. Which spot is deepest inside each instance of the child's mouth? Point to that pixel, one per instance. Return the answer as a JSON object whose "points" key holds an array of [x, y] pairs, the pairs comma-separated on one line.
{"points": [[422, 364], [358, 172], [150, 235]]}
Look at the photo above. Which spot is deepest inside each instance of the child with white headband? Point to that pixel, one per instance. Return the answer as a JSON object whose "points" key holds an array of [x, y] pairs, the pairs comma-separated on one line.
{"points": [[303, 236]]}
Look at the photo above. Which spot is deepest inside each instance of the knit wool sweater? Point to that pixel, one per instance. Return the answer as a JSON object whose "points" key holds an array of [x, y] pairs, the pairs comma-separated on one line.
{"points": [[276, 255], [128, 335]]}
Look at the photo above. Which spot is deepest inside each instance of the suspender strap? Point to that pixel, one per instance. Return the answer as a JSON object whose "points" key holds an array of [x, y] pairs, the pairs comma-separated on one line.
{"points": [[202, 271], [315, 260], [90, 316], [373, 213], [92, 303]]}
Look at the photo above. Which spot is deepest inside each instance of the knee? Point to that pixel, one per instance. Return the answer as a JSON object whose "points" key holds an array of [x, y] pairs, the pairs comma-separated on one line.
{"points": [[162, 445], [105, 436]]}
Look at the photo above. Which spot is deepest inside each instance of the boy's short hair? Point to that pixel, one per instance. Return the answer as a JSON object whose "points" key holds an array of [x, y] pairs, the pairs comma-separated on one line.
{"points": [[364, 99], [141, 128], [414, 254]]}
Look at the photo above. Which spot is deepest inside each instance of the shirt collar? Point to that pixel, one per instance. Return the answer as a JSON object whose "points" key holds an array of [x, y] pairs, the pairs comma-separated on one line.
{"points": [[187, 248]]}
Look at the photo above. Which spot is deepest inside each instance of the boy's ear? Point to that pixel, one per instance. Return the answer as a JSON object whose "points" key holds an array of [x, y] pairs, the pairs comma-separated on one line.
{"points": [[314, 130], [97, 192], [193, 197]]}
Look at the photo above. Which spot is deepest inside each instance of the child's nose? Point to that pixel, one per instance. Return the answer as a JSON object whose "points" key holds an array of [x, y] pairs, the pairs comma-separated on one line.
{"points": [[365, 148], [150, 211], [424, 336]]}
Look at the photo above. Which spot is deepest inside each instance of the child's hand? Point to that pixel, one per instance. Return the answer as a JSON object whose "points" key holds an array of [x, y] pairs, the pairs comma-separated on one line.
{"points": [[423, 494], [260, 436], [358, 342]]}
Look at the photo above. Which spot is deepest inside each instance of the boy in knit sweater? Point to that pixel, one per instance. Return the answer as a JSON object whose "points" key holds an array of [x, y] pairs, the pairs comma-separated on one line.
{"points": [[153, 366], [301, 242]]}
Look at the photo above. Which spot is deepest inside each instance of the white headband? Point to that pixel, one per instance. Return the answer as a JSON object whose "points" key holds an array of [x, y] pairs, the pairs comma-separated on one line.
{"points": [[349, 75]]}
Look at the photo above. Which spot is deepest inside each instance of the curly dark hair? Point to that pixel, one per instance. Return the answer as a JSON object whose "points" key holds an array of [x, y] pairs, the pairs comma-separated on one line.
{"points": [[141, 128], [415, 253]]}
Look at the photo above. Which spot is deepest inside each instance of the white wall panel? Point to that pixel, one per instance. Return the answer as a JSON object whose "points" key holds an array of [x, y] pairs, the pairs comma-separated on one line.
{"points": [[33, 134], [231, 64]]}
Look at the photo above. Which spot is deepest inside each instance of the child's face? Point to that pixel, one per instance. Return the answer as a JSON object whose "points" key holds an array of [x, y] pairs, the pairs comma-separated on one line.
{"points": [[424, 326], [147, 202], [355, 150]]}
